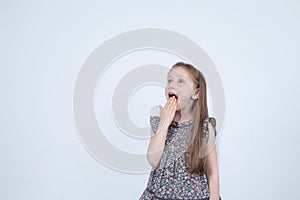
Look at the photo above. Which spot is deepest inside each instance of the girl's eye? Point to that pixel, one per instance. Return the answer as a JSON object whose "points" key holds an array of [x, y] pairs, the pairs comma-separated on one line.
{"points": [[169, 81], [181, 81]]}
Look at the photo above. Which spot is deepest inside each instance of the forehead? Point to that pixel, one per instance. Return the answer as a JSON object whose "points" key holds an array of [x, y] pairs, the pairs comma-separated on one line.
{"points": [[179, 72]]}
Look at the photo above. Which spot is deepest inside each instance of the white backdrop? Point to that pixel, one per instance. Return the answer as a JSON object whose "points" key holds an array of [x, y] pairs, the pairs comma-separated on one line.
{"points": [[254, 45]]}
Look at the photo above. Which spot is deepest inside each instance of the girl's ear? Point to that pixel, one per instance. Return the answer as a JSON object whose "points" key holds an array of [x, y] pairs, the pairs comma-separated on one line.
{"points": [[196, 94]]}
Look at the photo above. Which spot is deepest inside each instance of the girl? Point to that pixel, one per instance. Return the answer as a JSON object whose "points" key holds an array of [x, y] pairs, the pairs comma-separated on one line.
{"points": [[182, 149]]}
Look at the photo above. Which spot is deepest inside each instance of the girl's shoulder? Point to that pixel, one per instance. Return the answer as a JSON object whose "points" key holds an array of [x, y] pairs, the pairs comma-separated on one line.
{"points": [[211, 120], [210, 124]]}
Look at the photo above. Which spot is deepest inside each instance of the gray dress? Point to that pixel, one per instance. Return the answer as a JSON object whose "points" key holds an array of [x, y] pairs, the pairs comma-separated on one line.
{"points": [[170, 180]]}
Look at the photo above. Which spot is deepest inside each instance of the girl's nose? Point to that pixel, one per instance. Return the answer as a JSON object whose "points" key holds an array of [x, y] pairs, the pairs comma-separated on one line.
{"points": [[171, 85]]}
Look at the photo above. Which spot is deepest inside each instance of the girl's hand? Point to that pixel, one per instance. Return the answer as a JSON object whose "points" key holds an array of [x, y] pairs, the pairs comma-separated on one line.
{"points": [[167, 112]]}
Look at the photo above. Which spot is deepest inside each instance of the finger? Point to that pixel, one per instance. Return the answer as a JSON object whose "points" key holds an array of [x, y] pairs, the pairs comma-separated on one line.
{"points": [[169, 102], [172, 104], [175, 105], [166, 105]]}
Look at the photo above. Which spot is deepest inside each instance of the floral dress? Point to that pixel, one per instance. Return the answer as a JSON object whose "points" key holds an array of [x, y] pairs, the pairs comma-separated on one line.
{"points": [[170, 180]]}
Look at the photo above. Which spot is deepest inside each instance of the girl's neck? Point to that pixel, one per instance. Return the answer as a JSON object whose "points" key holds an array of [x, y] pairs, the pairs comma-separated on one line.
{"points": [[181, 117]]}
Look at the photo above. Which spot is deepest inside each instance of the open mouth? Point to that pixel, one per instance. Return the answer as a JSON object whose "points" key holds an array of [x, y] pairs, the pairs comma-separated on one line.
{"points": [[172, 94]]}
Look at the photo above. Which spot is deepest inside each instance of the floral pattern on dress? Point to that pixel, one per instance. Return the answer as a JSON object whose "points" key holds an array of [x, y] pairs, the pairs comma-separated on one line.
{"points": [[170, 180]]}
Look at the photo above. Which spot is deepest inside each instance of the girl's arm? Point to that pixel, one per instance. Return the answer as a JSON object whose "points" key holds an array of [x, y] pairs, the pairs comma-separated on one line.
{"points": [[156, 145], [157, 141], [212, 168]]}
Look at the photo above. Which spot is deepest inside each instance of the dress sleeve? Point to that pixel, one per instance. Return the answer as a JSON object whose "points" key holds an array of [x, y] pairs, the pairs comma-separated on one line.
{"points": [[154, 122], [213, 122], [210, 127], [209, 138]]}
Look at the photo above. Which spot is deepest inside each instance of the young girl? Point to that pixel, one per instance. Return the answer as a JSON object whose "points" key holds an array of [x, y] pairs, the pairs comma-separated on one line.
{"points": [[182, 149]]}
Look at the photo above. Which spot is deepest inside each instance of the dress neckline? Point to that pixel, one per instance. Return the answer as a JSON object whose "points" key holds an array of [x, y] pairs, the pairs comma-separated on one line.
{"points": [[182, 124]]}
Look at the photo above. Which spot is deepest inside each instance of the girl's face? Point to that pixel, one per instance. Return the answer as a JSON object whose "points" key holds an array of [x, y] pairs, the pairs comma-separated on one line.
{"points": [[181, 85]]}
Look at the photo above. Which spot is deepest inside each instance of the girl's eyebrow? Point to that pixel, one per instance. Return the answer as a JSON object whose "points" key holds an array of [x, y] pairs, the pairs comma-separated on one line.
{"points": [[179, 76]]}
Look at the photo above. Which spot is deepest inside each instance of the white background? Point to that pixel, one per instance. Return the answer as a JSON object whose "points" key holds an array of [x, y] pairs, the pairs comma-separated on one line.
{"points": [[254, 45]]}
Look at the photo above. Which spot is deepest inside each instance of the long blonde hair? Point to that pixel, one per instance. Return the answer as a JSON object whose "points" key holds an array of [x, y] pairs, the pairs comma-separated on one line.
{"points": [[196, 163]]}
